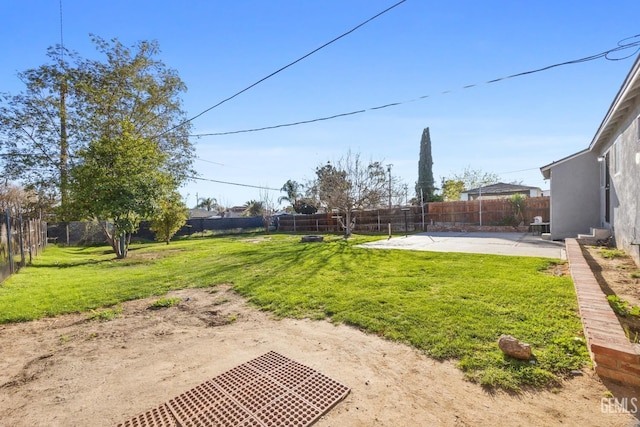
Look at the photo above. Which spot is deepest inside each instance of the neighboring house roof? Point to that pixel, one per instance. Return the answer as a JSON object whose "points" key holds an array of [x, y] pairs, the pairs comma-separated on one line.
{"points": [[501, 188], [546, 169], [201, 213], [618, 110]]}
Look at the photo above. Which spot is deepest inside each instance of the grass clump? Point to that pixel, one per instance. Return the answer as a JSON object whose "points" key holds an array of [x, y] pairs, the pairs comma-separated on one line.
{"points": [[619, 306], [105, 315], [164, 303], [622, 307], [612, 253], [448, 305]]}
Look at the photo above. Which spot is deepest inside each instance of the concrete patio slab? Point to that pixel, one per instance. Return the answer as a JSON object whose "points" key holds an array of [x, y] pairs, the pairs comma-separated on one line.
{"points": [[514, 244]]}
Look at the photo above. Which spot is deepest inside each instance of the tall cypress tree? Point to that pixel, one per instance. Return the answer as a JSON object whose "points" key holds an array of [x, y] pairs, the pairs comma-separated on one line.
{"points": [[425, 169]]}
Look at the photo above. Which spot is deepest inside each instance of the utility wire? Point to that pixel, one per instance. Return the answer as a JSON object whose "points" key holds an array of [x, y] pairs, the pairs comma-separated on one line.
{"points": [[521, 170], [285, 67], [234, 183], [606, 54], [209, 161]]}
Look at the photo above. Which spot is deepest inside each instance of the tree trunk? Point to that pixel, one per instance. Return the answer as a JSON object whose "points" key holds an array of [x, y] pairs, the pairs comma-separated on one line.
{"points": [[347, 224], [112, 241], [64, 155], [122, 247]]}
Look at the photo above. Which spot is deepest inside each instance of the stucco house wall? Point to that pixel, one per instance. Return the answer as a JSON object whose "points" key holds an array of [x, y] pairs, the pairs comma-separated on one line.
{"points": [[616, 177], [575, 181], [622, 153]]}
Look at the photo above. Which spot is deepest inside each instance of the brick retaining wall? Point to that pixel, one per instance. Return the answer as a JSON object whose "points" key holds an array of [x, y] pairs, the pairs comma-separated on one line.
{"points": [[613, 355]]}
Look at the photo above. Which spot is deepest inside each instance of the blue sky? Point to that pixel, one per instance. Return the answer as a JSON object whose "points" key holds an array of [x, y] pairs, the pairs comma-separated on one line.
{"points": [[418, 48]]}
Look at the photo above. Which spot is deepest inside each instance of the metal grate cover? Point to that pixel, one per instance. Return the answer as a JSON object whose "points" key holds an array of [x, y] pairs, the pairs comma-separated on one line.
{"points": [[156, 417], [270, 390]]}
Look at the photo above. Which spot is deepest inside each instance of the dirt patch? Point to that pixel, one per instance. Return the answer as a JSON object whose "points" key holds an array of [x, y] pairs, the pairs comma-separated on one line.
{"points": [[616, 277], [152, 255], [69, 372], [257, 239], [559, 269]]}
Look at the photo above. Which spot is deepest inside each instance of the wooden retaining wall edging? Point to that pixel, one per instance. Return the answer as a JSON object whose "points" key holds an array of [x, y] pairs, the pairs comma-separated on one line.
{"points": [[613, 356]]}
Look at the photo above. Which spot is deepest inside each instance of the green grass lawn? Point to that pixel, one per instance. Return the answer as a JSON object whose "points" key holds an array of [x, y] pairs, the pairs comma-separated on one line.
{"points": [[449, 305]]}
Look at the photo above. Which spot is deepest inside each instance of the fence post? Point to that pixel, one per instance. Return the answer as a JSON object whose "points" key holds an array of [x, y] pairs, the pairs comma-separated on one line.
{"points": [[29, 231], [42, 236], [9, 242], [21, 242]]}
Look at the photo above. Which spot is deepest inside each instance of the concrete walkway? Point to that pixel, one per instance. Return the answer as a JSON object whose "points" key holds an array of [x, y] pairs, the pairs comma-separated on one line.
{"points": [[515, 244]]}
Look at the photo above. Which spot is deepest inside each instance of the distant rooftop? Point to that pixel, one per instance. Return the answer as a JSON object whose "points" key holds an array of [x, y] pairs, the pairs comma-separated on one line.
{"points": [[501, 188]]}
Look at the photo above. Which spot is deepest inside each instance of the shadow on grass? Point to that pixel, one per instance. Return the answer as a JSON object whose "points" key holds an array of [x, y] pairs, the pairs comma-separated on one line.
{"points": [[72, 263]]}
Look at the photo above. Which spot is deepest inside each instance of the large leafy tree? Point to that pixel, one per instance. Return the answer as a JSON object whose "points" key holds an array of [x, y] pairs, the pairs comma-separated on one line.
{"points": [[121, 179], [133, 86], [38, 128], [349, 185], [69, 104]]}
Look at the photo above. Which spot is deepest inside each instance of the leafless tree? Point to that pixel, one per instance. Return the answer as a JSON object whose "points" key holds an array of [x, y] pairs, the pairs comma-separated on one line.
{"points": [[349, 185]]}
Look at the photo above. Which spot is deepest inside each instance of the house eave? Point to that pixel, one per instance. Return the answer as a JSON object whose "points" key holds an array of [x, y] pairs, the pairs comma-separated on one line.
{"points": [[546, 170], [619, 108]]}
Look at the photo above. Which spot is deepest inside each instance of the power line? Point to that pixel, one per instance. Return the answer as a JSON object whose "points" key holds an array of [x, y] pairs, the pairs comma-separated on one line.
{"points": [[606, 54], [521, 170], [234, 183], [227, 166], [285, 67], [209, 161]]}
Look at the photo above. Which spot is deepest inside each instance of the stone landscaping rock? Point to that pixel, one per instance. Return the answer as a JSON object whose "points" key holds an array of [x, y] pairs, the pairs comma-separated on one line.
{"points": [[514, 348]]}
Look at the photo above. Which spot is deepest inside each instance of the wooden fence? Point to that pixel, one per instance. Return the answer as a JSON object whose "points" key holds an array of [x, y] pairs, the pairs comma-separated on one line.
{"points": [[20, 240], [493, 213]]}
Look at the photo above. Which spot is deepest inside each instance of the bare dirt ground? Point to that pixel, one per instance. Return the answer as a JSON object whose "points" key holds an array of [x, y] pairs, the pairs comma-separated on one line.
{"points": [[614, 274], [67, 371]]}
